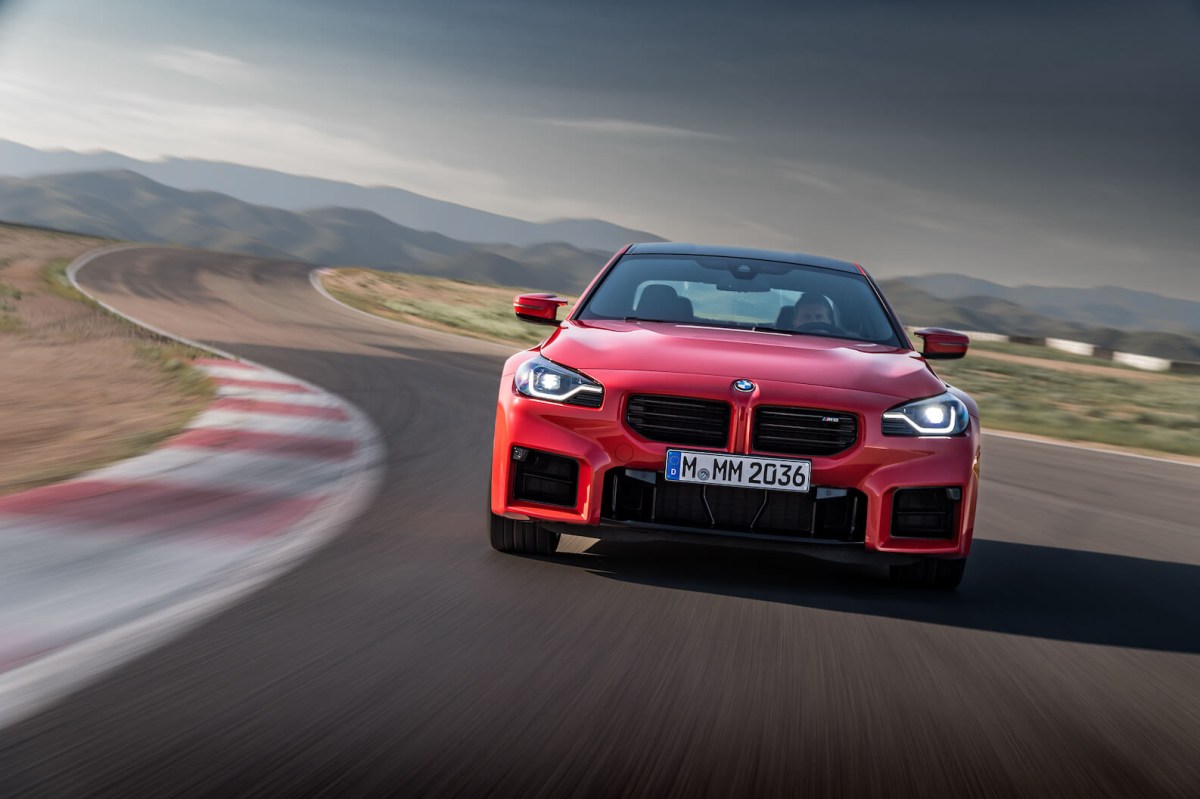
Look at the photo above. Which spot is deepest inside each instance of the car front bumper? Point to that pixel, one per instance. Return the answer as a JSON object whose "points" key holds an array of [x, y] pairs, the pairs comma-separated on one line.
{"points": [[606, 449]]}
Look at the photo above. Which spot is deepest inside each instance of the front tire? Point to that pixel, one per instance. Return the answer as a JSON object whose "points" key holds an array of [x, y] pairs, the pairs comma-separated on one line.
{"points": [[934, 573], [521, 538]]}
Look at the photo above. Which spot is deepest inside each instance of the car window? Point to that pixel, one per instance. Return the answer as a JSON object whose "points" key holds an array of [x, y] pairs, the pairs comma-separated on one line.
{"points": [[747, 293]]}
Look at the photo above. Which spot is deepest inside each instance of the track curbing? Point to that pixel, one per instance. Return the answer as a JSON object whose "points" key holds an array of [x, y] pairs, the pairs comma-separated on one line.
{"points": [[54, 670]]}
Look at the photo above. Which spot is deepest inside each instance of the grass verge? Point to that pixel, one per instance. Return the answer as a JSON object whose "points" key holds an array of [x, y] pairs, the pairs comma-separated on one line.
{"points": [[10, 320], [168, 353], [54, 275], [457, 306], [1118, 409]]}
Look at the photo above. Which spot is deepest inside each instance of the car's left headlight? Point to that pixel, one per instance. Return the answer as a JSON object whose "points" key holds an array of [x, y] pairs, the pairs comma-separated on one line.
{"points": [[943, 415], [547, 380]]}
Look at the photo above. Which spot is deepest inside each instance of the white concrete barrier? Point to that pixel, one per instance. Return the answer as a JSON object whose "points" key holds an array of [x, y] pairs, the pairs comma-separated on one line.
{"points": [[1142, 361], [1147, 362], [1074, 347], [979, 335]]}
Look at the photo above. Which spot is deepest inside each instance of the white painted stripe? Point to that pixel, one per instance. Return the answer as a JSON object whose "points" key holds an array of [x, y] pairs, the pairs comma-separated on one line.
{"points": [[1099, 448], [29, 544], [267, 395], [89, 588], [228, 470], [276, 423], [243, 373]]}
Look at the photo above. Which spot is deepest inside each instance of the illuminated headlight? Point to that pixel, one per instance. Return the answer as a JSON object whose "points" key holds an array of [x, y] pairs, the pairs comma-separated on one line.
{"points": [[546, 380], [943, 415]]}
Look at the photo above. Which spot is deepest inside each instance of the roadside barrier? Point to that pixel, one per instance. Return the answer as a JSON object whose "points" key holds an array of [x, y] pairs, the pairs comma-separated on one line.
{"points": [[1147, 362]]}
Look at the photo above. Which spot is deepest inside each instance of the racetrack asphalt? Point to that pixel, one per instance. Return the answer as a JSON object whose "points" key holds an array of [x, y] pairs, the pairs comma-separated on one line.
{"points": [[407, 657]]}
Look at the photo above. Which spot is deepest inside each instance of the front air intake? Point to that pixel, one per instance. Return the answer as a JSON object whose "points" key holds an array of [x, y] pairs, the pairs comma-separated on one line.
{"points": [[648, 498], [679, 420], [544, 478], [803, 431], [926, 512]]}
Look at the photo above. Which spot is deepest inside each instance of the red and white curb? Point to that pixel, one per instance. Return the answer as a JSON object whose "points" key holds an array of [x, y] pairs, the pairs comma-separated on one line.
{"points": [[102, 568]]}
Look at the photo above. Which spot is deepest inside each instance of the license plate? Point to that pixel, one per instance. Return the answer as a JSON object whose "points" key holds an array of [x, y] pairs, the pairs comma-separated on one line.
{"points": [[747, 471]]}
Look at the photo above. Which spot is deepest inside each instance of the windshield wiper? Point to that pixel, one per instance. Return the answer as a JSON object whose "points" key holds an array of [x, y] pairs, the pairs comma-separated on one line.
{"points": [[764, 329], [647, 319]]}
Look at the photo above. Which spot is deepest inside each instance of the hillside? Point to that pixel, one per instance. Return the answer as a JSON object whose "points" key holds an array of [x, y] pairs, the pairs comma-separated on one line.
{"points": [[915, 306], [1103, 306], [298, 193], [125, 205]]}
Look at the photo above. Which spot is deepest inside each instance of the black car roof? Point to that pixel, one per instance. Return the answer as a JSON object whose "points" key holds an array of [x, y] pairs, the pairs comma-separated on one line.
{"points": [[677, 248]]}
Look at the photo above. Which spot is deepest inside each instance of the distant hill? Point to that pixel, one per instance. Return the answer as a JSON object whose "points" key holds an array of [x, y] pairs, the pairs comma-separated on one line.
{"points": [[1104, 306], [916, 306], [298, 193], [126, 205]]}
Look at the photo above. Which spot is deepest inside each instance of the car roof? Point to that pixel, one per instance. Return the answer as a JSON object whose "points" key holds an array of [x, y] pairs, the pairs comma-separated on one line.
{"points": [[678, 248]]}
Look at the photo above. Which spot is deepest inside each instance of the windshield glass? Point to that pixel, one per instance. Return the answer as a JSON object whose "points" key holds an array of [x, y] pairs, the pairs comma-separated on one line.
{"points": [[718, 291]]}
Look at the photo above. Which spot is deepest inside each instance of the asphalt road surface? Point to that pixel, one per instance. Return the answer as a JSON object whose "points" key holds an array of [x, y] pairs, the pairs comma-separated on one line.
{"points": [[408, 657]]}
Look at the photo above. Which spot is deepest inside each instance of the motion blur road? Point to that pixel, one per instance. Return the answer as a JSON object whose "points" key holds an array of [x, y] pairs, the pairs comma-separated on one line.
{"points": [[410, 657]]}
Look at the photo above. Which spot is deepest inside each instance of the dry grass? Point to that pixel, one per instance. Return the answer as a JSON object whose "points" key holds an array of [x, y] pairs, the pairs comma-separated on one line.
{"points": [[471, 309], [79, 387], [1109, 406]]}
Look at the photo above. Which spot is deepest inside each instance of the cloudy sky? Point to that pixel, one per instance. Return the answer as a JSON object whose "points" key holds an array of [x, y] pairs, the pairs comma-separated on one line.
{"points": [[1020, 141]]}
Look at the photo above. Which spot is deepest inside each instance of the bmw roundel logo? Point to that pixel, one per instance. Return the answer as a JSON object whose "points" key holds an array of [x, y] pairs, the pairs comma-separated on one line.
{"points": [[743, 385]]}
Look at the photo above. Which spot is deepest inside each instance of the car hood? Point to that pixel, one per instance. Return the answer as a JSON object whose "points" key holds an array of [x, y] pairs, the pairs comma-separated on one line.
{"points": [[806, 360]]}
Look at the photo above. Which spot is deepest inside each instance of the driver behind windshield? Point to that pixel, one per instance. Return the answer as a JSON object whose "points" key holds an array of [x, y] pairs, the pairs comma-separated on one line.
{"points": [[811, 312]]}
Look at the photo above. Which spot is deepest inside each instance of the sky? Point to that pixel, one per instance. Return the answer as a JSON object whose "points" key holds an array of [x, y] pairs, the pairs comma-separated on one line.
{"points": [[1024, 142]]}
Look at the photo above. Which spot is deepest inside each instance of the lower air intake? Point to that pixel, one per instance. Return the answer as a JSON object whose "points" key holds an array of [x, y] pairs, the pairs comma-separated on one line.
{"points": [[926, 512], [827, 514], [544, 478]]}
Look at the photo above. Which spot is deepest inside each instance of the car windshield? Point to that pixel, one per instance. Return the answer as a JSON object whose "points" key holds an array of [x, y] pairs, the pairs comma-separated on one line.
{"points": [[718, 291]]}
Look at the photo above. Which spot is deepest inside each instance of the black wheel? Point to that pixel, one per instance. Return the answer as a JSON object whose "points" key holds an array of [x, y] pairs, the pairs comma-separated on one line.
{"points": [[942, 575], [521, 538]]}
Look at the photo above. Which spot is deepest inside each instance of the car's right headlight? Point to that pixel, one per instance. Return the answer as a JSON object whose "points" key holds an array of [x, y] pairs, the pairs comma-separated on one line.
{"points": [[546, 380], [943, 415]]}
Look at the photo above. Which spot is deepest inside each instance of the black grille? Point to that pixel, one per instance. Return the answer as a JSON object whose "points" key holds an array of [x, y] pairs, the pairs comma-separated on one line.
{"points": [[821, 514], [803, 431], [679, 420]]}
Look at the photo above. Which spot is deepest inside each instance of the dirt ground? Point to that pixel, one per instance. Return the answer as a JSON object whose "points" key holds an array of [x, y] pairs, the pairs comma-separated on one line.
{"points": [[78, 388]]}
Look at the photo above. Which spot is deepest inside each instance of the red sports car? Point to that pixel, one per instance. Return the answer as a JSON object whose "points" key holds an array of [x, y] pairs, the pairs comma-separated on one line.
{"points": [[737, 397]]}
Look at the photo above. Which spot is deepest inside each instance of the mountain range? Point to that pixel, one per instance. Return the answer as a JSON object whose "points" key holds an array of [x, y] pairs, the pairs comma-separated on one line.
{"points": [[298, 193], [1073, 320], [126, 205], [1103, 306]]}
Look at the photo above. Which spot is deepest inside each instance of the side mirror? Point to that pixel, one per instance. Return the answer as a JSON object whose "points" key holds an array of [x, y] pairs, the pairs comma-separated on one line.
{"points": [[540, 309], [942, 344]]}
